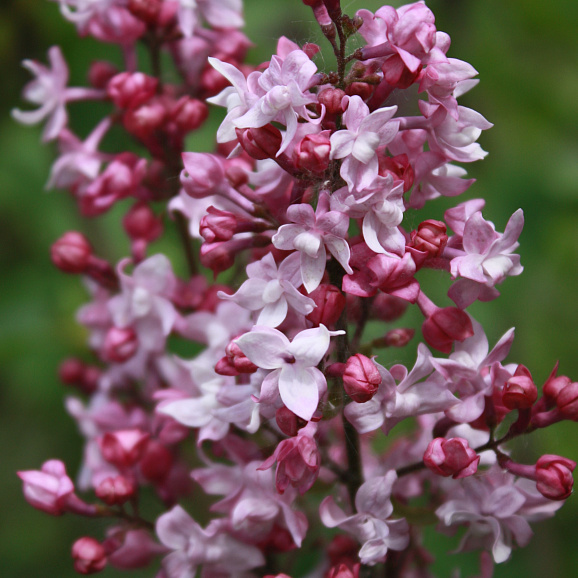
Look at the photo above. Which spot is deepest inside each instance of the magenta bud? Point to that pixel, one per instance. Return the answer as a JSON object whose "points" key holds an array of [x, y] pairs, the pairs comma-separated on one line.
{"points": [[399, 168], [131, 89], [141, 223], [554, 476], [216, 256], [519, 391], [260, 143], [398, 337], [156, 461], [343, 571], [120, 344], [218, 225], [189, 114], [445, 326], [71, 371], [361, 89], [451, 457], [115, 491], [145, 120], [288, 422], [89, 555], [238, 359], [123, 448], [388, 307], [146, 10], [71, 253], [567, 401], [100, 73], [330, 303], [555, 384], [49, 488], [312, 153], [331, 98], [430, 237], [361, 378]]}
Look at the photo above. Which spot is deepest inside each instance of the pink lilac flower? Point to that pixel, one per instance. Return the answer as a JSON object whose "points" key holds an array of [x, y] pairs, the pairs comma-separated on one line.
{"points": [[79, 161], [410, 397], [489, 256], [294, 374], [271, 291], [466, 371], [371, 525], [490, 507], [212, 548], [285, 95], [219, 13], [381, 207], [251, 501], [310, 235], [358, 144], [144, 304], [49, 91]]}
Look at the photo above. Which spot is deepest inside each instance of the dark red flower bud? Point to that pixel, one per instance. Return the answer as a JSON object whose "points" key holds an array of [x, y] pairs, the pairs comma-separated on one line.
{"points": [[451, 457], [218, 225], [156, 461], [445, 326], [100, 73], [331, 98], [330, 303], [123, 448], [312, 153], [144, 120], [71, 253], [89, 555], [71, 371], [238, 359], [189, 114], [141, 223], [554, 385], [430, 237], [361, 89], [131, 89], [342, 549], [343, 571], [519, 391], [399, 168], [567, 401], [554, 476], [120, 344], [288, 422], [115, 491], [388, 307], [260, 143], [399, 337], [361, 378]]}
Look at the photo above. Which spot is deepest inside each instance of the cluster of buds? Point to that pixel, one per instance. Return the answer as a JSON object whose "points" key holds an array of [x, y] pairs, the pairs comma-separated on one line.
{"points": [[300, 212]]}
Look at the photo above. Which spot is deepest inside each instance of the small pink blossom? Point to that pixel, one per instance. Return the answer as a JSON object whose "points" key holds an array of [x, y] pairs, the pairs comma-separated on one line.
{"points": [[358, 144]]}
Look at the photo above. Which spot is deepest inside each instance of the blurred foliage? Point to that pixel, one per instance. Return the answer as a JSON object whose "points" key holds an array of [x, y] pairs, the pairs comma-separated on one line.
{"points": [[526, 52]]}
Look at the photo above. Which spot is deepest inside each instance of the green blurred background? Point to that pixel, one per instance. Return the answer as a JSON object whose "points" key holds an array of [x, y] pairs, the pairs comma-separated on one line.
{"points": [[526, 52]]}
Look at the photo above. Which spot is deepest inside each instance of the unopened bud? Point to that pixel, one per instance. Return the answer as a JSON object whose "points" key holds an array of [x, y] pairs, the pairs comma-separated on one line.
{"points": [[131, 89], [388, 307], [123, 448], [331, 98], [189, 114], [361, 378], [520, 391], [218, 225], [100, 73], [120, 344], [238, 359], [312, 153], [430, 237], [288, 422], [399, 168], [567, 401], [141, 223], [89, 555], [554, 477], [445, 326], [399, 337], [451, 457], [330, 303], [115, 491], [260, 143], [71, 253], [156, 461]]}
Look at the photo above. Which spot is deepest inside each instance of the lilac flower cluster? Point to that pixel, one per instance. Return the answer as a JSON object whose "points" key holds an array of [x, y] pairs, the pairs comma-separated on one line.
{"points": [[301, 206]]}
